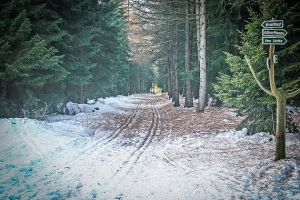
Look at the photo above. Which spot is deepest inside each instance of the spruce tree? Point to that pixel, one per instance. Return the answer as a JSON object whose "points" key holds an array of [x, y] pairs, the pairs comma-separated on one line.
{"points": [[110, 51], [28, 60], [95, 48], [59, 51], [223, 19], [239, 89]]}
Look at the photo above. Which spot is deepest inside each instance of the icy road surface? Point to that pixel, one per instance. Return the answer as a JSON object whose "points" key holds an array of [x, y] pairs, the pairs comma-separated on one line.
{"points": [[141, 147]]}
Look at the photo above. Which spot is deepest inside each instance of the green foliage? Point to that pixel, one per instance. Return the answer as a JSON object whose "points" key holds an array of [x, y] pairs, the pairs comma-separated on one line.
{"points": [[239, 89], [96, 55], [58, 51], [260, 119], [223, 20], [29, 62]]}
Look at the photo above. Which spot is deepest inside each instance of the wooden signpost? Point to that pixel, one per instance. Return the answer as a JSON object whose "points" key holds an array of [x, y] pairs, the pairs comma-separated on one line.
{"points": [[273, 35]]}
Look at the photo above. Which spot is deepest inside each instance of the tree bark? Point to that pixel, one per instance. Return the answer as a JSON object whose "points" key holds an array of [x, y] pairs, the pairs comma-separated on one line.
{"points": [[4, 90], [280, 128], [201, 43], [175, 97], [188, 97], [82, 94], [280, 151], [169, 78]]}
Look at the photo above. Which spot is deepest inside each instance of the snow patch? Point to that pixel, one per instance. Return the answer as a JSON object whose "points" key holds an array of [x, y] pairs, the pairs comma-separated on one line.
{"points": [[65, 159]]}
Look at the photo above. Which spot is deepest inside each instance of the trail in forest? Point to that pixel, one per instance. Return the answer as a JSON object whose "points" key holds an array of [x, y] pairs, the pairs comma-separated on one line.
{"points": [[144, 148]]}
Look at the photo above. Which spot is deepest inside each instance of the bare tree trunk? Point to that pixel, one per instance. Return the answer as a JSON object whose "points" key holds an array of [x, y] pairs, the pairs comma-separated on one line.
{"points": [[4, 90], [188, 96], [82, 94], [139, 82], [280, 129], [175, 97], [169, 78], [142, 80], [129, 85], [201, 43]]}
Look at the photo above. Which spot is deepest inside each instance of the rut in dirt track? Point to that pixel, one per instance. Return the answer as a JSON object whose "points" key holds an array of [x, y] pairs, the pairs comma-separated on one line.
{"points": [[137, 119], [115, 133], [121, 128], [100, 143], [130, 162]]}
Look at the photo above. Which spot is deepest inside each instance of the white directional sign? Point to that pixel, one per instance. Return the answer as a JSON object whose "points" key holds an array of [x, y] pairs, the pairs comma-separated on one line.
{"points": [[274, 40], [272, 24], [274, 32]]}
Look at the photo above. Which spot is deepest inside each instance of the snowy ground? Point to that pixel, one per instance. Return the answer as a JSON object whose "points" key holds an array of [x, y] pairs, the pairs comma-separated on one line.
{"points": [[141, 147]]}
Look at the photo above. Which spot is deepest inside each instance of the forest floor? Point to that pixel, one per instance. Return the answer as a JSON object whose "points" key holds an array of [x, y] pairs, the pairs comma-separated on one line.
{"points": [[141, 147]]}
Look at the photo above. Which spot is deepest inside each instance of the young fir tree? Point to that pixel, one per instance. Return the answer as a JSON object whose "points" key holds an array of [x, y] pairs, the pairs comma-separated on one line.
{"points": [[29, 62], [223, 19], [240, 90]]}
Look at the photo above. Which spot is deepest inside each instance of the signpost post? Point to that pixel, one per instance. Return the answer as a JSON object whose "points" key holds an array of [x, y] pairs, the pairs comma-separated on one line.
{"points": [[274, 36]]}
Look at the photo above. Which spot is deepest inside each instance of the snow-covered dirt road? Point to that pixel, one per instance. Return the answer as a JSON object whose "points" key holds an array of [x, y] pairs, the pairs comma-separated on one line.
{"points": [[141, 147]]}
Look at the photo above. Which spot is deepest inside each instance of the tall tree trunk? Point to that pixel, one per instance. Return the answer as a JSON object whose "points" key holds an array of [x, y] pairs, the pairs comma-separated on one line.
{"points": [[280, 128], [201, 44], [131, 79], [175, 97], [188, 96], [129, 85], [4, 89], [82, 94], [142, 81], [170, 88], [139, 82]]}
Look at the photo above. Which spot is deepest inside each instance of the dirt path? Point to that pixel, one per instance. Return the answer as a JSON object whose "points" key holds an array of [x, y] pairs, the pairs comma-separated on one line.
{"points": [[189, 146], [144, 148]]}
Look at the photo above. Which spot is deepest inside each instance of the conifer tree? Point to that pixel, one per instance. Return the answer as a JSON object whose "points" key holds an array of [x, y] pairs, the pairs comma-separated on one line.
{"points": [[223, 21], [110, 52], [28, 60], [95, 48], [239, 89], [59, 51]]}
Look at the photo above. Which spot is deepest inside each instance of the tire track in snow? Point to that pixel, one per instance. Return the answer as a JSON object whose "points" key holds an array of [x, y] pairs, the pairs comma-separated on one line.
{"points": [[153, 129], [67, 168], [29, 140], [136, 154], [69, 164], [100, 143], [121, 128]]}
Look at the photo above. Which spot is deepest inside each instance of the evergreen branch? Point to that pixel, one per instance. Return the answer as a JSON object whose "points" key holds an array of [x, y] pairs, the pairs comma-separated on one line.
{"points": [[255, 77]]}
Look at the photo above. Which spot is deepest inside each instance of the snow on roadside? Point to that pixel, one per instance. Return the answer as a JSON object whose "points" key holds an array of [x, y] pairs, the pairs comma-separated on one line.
{"points": [[67, 159], [236, 166]]}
